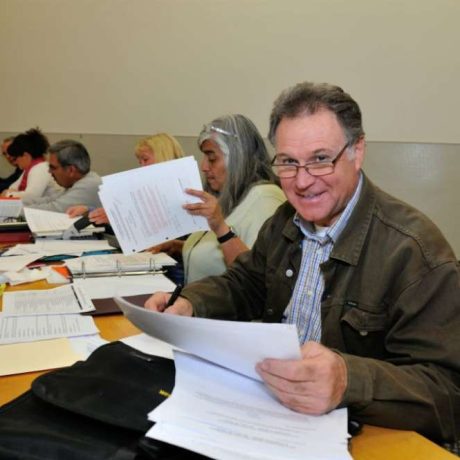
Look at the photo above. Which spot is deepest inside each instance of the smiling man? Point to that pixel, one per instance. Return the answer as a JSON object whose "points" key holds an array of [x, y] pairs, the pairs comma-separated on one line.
{"points": [[370, 282], [69, 164]]}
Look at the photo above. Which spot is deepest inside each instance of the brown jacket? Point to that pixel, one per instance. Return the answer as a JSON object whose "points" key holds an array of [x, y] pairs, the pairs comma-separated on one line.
{"points": [[391, 307]]}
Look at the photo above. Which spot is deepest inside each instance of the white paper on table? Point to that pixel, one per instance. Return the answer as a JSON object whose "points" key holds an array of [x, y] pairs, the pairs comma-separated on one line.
{"points": [[227, 416], [114, 286], [233, 344], [86, 344], [15, 329], [61, 300], [53, 223], [111, 263], [144, 205], [10, 207], [48, 247], [149, 345], [16, 263], [27, 275]]}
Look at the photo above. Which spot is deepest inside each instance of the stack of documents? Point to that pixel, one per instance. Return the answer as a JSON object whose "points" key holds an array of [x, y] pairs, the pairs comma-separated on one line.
{"points": [[10, 208], [144, 205], [52, 224], [219, 406]]}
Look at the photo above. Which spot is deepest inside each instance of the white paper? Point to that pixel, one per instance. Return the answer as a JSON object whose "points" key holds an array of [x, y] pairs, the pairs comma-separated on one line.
{"points": [[228, 416], [61, 300], [30, 328], [47, 247], [50, 223], [86, 344], [10, 207], [27, 275], [16, 263], [114, 286], [149, 345], [144, 205], [112, 263], [236, 345]]}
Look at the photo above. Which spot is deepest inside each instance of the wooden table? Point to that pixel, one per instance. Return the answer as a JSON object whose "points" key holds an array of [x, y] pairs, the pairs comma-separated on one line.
{"points": [[373, 443]]}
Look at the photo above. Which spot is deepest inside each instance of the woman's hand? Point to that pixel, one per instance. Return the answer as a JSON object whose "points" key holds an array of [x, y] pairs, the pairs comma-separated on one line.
{"points": [[173, 247], [208, 208]]}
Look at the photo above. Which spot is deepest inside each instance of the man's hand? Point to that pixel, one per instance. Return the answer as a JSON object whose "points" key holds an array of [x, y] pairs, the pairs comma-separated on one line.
{"points": [[159, 301], [98, 216], [313, 385], [78, 210], [172, 247]]}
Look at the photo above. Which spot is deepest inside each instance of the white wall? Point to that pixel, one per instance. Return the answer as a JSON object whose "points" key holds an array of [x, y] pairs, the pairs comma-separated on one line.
{"points": [[142, 66]]}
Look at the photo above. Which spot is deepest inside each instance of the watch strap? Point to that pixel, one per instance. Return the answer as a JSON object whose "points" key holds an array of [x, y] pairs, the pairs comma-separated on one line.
{"points": [[227, 236]]}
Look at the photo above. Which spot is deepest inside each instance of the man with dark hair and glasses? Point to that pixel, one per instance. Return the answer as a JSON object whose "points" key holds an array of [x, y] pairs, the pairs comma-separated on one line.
{"points": [[370, 282]]}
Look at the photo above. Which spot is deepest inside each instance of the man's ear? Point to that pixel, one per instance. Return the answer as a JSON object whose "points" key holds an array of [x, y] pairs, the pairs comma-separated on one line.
{"points": [[360, 151]]}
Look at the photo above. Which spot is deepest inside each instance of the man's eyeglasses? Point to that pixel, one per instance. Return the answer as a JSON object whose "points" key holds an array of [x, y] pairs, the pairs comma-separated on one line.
{"points": [[286, 168]]}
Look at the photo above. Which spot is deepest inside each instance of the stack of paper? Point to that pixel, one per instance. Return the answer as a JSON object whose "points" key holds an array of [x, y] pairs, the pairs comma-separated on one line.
{"points": [[144, 205], [10, 207], [53, 224], [228, 414]]}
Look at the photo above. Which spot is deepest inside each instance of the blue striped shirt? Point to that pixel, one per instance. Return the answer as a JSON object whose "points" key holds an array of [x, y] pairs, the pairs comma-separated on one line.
{"points": [[304, 308]]}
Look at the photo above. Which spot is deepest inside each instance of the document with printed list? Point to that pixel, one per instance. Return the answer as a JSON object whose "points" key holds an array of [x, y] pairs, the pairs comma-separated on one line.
{"points": [[144, 205]]}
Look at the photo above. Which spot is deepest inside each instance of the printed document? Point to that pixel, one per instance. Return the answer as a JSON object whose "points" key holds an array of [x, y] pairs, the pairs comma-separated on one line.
{"points": [[61, 300], [16, 263], [15, 329], [225, 415], [10, 207], [232, 344], [144, 205]]}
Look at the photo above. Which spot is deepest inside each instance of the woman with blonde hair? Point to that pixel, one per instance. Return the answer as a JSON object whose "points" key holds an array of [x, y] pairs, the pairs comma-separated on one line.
{"points": [[148, 151]]}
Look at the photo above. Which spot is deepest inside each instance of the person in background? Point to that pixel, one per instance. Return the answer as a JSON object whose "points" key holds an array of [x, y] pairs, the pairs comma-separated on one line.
{"points": [[370, 282], [28, 151], [148, 151], [241, 193], [69, 164], [7, 181]]}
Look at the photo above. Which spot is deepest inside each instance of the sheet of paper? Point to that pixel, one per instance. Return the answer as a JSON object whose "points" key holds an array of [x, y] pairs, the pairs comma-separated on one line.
{"points": [[10, 207], [149, 345], [15, 329], [16, 263], [144, 205], [112, 263], [27, 275], [114, 286], [86, 344], [36, 356], [236, 345], [47, 247], [228, 416], [52, 223], [61, 300]]}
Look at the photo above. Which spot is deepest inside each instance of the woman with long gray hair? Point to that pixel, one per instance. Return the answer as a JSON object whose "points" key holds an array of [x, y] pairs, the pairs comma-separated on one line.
{"points": [[241, 193]]}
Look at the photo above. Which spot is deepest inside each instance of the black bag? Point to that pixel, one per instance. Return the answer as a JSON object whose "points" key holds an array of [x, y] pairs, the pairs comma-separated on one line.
{"points": [[94, 410]]}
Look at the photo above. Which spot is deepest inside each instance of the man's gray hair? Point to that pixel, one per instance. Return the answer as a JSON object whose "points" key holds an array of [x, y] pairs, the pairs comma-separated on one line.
{"points": [[307, 98], [246, 157], [72, 153]]}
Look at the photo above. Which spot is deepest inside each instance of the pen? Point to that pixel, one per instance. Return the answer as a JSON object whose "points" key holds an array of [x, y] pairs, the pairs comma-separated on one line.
{"points": [[175, 295], [76, 296]]}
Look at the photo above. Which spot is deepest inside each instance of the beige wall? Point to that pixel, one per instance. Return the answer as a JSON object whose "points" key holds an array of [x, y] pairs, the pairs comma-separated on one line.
{"points": [[143, 66]]}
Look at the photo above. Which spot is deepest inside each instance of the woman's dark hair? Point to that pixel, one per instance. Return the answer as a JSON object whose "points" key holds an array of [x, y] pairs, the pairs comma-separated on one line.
{"points": [[32, 141]]}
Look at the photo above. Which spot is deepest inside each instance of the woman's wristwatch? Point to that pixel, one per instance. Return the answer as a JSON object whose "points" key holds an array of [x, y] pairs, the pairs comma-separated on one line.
{"points": [[227, 236]]}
